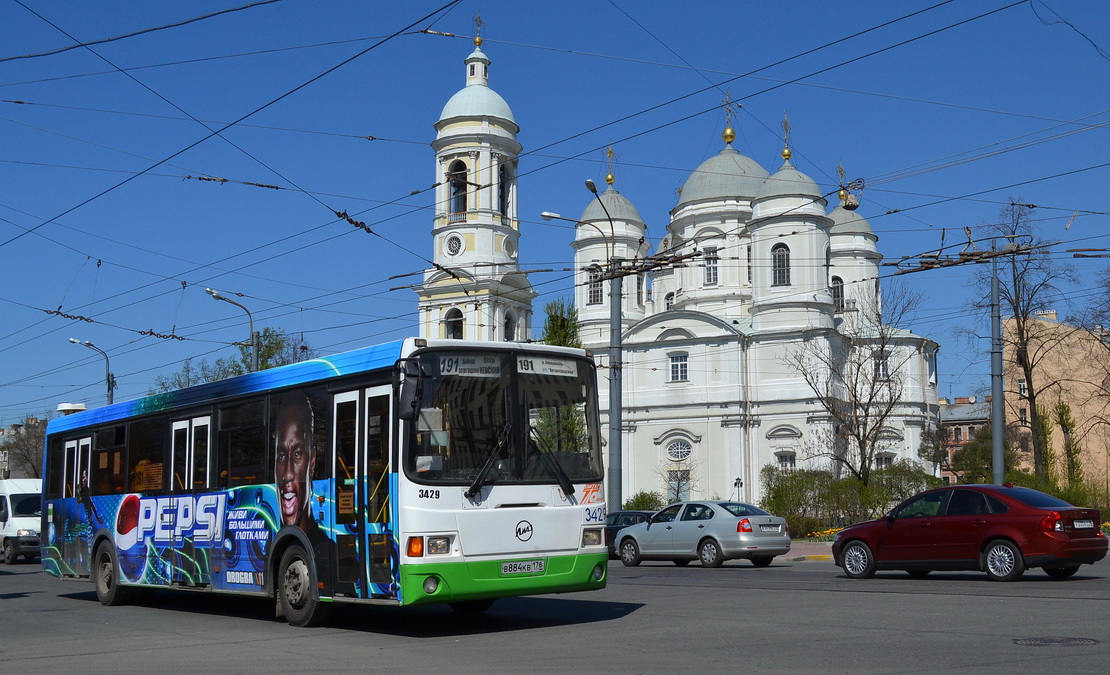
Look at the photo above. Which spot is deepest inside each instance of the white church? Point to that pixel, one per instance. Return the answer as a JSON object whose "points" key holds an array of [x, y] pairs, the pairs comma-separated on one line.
{"points": [[711, 389]]}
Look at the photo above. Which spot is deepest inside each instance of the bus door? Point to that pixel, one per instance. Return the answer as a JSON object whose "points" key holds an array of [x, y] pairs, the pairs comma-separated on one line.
{"points": [[189, 450], [76, 533], [360, 453]]}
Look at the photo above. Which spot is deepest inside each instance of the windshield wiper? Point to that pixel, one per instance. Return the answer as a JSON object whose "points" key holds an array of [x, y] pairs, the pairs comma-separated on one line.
{"points": [[553, 463], [491, 459]]}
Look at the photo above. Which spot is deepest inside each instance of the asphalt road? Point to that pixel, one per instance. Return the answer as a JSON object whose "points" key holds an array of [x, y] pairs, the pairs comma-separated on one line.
{"points": [[792, 617]]}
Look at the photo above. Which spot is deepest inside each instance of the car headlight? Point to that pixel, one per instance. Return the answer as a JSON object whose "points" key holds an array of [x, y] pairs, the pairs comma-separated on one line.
{"points": [[27, 533], [591, 537]]}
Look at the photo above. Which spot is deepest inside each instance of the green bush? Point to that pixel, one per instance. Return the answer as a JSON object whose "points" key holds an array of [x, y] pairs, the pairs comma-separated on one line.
{"points": [[645, 501]]}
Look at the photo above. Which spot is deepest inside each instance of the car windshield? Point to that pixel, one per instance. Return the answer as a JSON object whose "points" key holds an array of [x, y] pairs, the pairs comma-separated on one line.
{"points": [[1037, 499], [26, 505], [738, 509]]}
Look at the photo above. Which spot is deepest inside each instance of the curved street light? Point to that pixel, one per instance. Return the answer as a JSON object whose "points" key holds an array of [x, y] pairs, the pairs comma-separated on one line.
{"points": [[109, 379], [250, 319]]}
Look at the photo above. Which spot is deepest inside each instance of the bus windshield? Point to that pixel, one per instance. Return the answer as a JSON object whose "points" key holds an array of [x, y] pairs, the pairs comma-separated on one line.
{"points": [[503, 418]]}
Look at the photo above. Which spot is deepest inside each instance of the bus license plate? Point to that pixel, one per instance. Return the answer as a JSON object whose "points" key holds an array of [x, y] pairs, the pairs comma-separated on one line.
{"points": [[522, 567], [1083, 524]]}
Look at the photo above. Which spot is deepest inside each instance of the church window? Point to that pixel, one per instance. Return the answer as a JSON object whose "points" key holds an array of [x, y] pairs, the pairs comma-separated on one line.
{"points": [[457, 178], [786, 460], [510, 327], [454, 245], [595, 292], [838, 294], [668, 301], [882, 365], [780, 265], [711, 260], [679, 371], [678, 485], [503, 191], [679, 450], [472, 70], [639, 279], [453, 325], [884, 461], [748, 263]]}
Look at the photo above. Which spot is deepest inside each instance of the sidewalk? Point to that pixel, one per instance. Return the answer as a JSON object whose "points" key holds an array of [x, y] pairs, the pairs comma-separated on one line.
{"points": [[809, 550]]}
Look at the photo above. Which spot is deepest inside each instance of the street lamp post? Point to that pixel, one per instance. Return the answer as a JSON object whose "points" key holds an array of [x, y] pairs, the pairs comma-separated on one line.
{"points": [[250, 319], [109, 379]]}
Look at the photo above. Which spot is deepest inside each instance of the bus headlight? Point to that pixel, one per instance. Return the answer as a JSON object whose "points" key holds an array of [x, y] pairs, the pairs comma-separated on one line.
{"points": [[591, 537], [438, 545]]}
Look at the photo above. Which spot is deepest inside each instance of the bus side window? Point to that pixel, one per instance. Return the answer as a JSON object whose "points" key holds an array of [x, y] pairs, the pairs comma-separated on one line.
{"points": [[241, 449], [55, 460], [106, 475], [146, 456]]}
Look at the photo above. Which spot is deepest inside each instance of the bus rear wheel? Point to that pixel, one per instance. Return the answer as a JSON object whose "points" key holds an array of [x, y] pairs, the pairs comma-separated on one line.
{"points": [[300, 602], [106, 575]]}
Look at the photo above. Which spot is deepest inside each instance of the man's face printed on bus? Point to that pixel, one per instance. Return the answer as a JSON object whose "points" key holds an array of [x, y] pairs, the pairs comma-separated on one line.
{"points": [[294, 462]]}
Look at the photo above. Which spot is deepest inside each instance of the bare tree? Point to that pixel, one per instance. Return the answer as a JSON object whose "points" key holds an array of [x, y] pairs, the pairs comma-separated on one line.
{"points": [[859, 374], [24, 447], [1029, 286]]}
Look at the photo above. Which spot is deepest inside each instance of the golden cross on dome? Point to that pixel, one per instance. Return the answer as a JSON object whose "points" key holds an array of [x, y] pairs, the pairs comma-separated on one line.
{"points": [[785, 129], [478, 23], [609, 157]]}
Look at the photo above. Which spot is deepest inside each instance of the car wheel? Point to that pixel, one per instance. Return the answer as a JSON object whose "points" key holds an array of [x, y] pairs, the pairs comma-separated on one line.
{"points": [[106, 576], [1002, 561], [471, 607], [681, 562], [762, 560], [857, 561], [709, 551], [9, 552], [630, 553], [1061, 572], [918, 574], [297, 590]]}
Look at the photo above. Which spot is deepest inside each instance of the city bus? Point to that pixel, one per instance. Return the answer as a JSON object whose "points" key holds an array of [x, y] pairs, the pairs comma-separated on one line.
{"points": [[413, 472]]}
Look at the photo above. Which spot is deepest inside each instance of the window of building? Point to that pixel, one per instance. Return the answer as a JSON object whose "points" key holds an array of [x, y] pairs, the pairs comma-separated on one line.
{"points": [[837, 286], [786, 460], [679, 371], [748, 262], [639, 280], [882, 365], [595, 294], [957, 433], [453, 325], [668, 301], [1021, 388], [510, 327], [679, 450], [884, 461], [1021, 416], [678, 485], [456, 176], [780, 265], [711, 265], [503, 190]]}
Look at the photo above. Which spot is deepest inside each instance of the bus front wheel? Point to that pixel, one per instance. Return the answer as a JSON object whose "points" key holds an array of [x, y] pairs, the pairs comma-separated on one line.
{"points": [[300, 603], [106, 576]]}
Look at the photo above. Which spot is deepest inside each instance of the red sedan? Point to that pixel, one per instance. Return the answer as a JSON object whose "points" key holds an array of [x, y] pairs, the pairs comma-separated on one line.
{"points": [[1000, 529]]}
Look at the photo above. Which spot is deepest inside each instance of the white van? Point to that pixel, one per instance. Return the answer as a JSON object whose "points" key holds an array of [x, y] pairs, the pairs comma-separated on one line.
{"points": [[20, 518]]}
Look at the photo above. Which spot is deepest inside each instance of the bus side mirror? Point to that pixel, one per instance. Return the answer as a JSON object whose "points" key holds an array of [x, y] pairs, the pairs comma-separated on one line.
{"points": [[408, 400]]}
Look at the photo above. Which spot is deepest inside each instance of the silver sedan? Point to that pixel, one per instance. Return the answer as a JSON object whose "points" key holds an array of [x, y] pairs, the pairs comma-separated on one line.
{"points": [[712, 532]]}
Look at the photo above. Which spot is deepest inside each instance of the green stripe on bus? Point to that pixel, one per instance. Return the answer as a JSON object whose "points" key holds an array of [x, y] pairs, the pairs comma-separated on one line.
{"points": [[476, 580]]}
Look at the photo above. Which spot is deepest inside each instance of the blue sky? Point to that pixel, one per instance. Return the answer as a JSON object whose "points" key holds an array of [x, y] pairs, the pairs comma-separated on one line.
{"points": [[944, 114]]}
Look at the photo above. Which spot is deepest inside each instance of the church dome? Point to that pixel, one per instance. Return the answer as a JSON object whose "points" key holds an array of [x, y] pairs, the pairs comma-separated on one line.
{"points": [[618, 205], [789, 182], [476, 99], [849, 222], [726, 174]]}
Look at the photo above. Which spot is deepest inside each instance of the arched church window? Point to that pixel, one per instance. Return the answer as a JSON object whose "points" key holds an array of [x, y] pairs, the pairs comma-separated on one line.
{"points": [[453, 325], [780, 265], [510, 327], [503, 191], [457, 178], [837, 286], [668, 301], [679, 450], [595, 293]]}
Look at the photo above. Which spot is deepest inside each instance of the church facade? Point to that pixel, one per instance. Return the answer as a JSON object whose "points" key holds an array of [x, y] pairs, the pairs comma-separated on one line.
{"points": [[735, 331]]}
